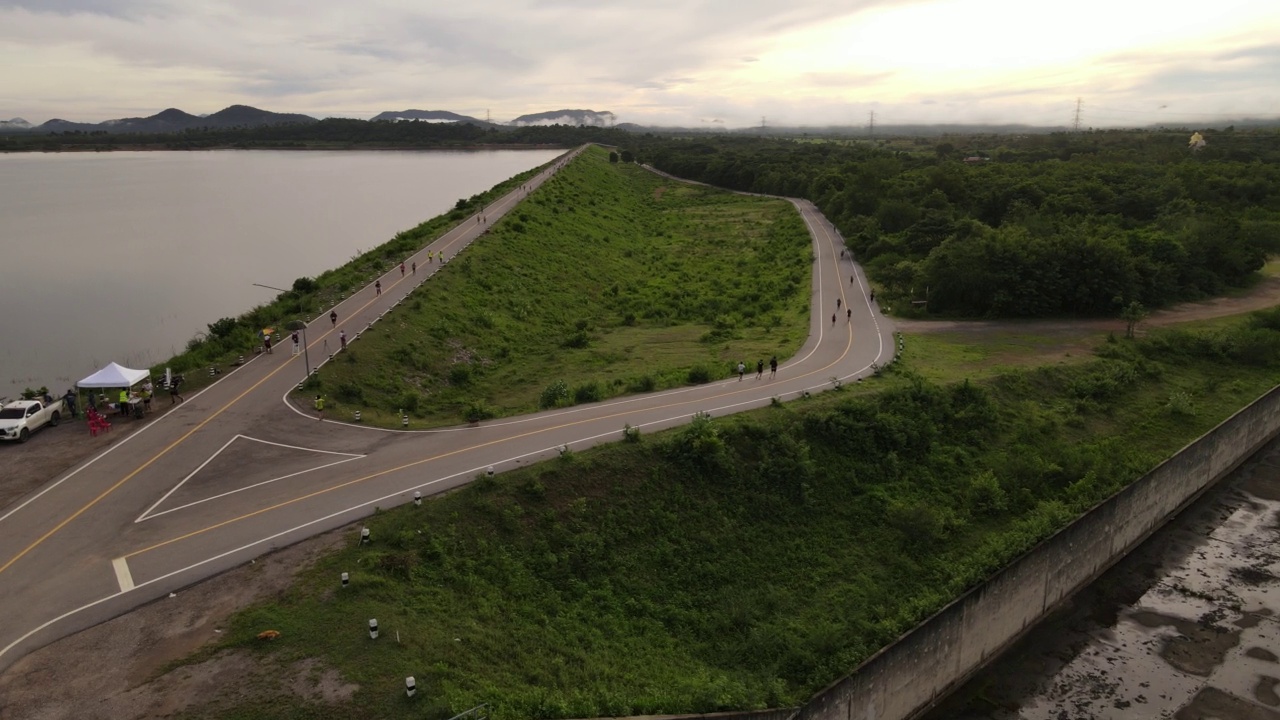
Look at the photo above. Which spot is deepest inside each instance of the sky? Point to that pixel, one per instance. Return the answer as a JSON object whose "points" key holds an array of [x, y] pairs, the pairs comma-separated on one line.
{"points": [[692, 63]]}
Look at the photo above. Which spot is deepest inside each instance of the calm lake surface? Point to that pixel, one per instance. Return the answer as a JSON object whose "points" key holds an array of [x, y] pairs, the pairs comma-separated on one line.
{"points": [[124, 256]]}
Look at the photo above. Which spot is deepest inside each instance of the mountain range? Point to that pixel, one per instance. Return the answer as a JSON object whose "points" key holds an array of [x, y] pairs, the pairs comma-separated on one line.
{"points": [[243, 116]]}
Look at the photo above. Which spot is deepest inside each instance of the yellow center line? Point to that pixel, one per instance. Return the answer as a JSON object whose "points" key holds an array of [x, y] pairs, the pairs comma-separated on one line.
{"points": [[848, 346], [175, 443]]}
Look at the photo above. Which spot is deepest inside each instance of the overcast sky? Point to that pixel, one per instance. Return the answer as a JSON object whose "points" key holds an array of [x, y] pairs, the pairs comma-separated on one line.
{"points": [[686, 62]]}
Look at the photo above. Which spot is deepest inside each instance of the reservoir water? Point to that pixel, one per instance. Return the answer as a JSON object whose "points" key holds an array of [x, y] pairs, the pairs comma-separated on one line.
{"points": [[125, 256]]}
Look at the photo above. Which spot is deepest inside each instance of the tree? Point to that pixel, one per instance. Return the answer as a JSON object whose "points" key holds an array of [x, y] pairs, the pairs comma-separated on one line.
{"points": [[613, 157], [1133, 314], [628, 156]]}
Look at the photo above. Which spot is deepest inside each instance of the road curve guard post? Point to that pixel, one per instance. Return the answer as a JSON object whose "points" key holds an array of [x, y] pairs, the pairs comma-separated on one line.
{"points": [[410, 686], [373, 628], [489, 471], [346, 579], [364, 536], [417, 499]]}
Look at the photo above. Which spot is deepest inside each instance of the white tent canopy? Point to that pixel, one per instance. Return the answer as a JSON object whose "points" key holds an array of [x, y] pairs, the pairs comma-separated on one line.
{"points": [[114, 376]]}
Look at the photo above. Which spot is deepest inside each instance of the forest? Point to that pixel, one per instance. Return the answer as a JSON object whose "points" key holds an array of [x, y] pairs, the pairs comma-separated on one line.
{"points": [[330, 133], [1082, 224]]}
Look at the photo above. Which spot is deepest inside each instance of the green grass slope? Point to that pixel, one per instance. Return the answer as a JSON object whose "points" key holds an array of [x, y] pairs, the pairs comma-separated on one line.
{"points": [[606, 280], [745, 561]]}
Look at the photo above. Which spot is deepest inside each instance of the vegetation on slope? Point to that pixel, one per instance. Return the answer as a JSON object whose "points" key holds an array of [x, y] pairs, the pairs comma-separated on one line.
{"points": [[740, 562], [607, 280], [1037, 226]]}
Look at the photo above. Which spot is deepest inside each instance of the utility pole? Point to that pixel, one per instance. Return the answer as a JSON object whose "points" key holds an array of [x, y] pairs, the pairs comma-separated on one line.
{"points": [[871, 125], [1075, 124]]}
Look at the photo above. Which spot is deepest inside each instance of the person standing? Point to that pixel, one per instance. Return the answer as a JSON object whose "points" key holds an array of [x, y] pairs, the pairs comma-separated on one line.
{"points": [[70, 400], [173, 390], [773, 366], [342, 339], [124, 401], [296, 346], [266, 341], [319, 407], [742, 369], [147, 391], [415, 267], [377, 287]]}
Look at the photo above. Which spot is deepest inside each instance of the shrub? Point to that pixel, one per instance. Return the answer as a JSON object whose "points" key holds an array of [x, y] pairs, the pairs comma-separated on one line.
{"points": [[587, 392], [476, 412], [460, 375], [554, 395], [349, 392], [699, 375]]}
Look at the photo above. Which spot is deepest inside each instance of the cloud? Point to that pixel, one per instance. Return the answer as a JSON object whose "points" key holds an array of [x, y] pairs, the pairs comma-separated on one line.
{"points": [[677, 61]]}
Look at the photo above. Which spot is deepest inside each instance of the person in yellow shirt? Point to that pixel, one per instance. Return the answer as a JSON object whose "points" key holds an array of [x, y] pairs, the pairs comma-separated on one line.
{"points": [[124, 401]]}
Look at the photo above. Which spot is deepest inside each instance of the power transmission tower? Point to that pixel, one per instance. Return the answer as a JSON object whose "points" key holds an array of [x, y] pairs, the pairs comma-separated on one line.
{"points": [[486, 115], [762, 124], [871, 124], [1075, 124]]}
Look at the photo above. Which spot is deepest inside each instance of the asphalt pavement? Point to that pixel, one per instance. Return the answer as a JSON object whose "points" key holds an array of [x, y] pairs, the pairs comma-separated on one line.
{"points": [[237, 471]]}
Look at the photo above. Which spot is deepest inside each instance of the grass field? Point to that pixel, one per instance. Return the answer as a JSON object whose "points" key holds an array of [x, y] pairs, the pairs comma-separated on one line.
{"points": [[607, 280], [747, 561]]}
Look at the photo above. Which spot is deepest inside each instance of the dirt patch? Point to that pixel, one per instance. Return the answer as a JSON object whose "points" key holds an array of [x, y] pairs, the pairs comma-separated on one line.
{"points": [[657, 192], [113, 670], [1214, 703], [1199, 646], [1258, 653], [1264, 295], [1265, 691], [53, 451]]}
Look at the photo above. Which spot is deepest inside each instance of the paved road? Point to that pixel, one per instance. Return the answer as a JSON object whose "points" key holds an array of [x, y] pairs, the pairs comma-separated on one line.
{"points": [[237, 471]]}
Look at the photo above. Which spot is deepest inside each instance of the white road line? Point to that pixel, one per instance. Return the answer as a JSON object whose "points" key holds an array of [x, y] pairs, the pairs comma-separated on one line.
{"points": [[183, 481], [147, 515], [123, 576], [104, 453]]}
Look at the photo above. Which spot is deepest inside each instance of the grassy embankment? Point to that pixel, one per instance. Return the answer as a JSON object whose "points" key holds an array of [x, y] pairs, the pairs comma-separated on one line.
{"points": [[229, 338], [607, 280], [746, 561]]}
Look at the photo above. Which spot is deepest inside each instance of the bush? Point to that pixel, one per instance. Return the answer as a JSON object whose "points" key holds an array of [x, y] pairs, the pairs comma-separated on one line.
{"points": [[699, 375], [349, 393], [460, 375], [554, 395], [476, 412], [588, 392]]}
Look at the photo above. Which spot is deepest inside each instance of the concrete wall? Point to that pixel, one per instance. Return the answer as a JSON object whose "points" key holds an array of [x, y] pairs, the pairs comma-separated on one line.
{"points": [[927, 663]]}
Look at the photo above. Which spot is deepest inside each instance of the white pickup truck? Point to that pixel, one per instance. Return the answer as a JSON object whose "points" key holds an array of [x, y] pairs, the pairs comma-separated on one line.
{"points": [[21, 418]]}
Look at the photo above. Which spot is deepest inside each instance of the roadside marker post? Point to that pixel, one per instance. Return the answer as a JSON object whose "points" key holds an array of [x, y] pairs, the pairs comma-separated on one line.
{"points": [[410, 686], [417, 498], [346, 579], [373, 628], [364, 536]]}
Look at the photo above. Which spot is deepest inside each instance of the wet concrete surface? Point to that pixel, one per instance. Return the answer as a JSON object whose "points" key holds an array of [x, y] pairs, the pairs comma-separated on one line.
{"points": [[1186, 627]]}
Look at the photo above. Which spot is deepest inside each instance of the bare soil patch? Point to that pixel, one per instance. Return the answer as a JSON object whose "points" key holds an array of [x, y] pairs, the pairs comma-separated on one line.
{"points": [[116, 670]]}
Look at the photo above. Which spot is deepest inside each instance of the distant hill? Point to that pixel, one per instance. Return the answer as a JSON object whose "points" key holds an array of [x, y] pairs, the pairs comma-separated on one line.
{"points": [[427, 116], [167, 121], [566, 117]]}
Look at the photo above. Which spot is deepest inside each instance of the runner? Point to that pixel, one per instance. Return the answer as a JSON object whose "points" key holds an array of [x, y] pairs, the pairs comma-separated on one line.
{"points": [[377, 287], [773, 366], [742, 369], [333, 317], [759, 369]]}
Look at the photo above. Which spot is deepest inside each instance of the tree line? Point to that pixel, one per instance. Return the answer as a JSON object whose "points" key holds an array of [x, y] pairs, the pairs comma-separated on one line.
{"points": [[1064, 224]]}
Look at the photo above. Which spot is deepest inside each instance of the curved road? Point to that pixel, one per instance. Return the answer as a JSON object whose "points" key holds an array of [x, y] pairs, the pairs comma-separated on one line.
{"points": [[237, 471]]}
